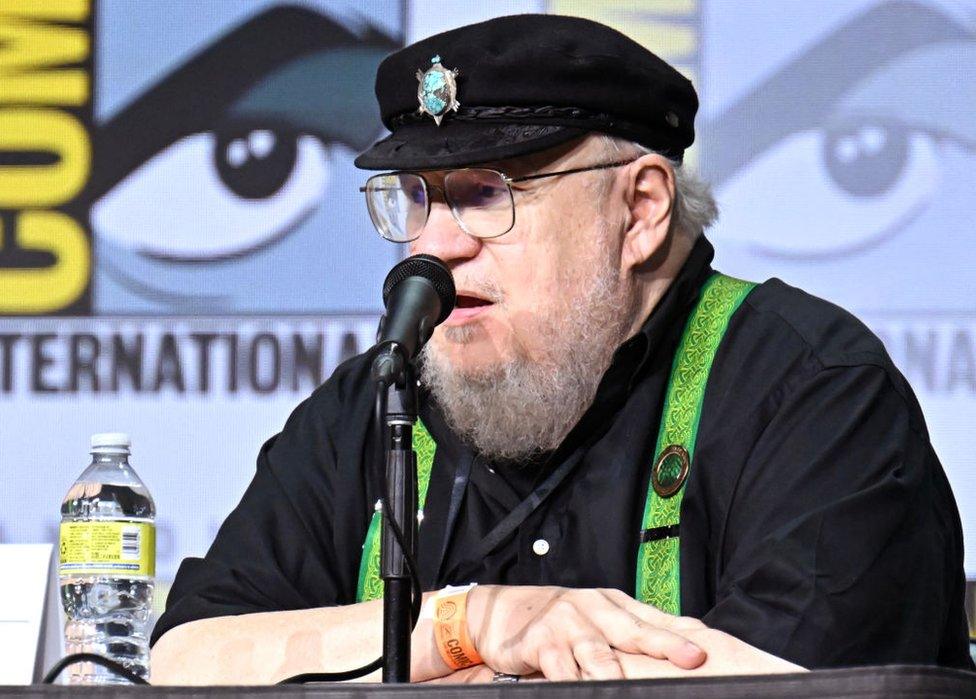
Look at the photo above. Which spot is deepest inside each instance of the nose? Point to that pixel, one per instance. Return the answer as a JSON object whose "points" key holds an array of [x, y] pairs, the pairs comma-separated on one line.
{"points": [[443, 237]]}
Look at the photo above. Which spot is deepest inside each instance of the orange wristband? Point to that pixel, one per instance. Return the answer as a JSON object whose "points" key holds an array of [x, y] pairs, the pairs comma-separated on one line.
{"points": [[451, 629]]}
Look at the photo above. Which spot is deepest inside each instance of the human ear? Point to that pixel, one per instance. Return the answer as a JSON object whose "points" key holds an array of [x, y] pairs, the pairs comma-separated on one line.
{"points": [[651, 197]]}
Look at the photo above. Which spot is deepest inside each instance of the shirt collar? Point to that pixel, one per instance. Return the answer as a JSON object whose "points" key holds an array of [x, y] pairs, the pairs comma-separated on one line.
{"points": [[672, 309]]}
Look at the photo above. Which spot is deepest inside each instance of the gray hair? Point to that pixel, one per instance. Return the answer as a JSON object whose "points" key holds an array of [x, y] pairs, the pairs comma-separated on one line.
{"points": [[694, 207]]}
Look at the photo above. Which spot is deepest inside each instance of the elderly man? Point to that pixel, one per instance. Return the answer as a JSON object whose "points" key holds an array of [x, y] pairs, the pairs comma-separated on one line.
{"points": [[649, 468]]}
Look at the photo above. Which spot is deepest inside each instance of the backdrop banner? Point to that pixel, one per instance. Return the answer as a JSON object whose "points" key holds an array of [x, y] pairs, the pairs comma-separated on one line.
{"points": [[185, 255]]}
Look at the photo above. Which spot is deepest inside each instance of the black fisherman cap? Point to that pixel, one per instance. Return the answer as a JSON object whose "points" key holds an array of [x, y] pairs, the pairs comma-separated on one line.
{"points": [[524, 83]]}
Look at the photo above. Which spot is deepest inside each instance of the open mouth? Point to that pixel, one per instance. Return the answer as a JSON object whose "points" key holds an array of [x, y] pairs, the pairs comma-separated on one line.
{"points": [[465, 301], [466, 307]]}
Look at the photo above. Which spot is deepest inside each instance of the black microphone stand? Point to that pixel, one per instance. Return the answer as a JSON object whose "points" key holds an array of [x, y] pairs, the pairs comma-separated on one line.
{"points": [[418, 294], [396, 431]]}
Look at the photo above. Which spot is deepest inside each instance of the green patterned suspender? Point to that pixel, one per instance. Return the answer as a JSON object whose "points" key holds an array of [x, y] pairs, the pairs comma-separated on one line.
{"points": [[658, 565], [657, 555], [370, 585]]}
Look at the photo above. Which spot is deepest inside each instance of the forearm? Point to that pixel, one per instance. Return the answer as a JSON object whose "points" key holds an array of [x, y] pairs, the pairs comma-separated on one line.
{"points": [[511, 627], [267, 647]]}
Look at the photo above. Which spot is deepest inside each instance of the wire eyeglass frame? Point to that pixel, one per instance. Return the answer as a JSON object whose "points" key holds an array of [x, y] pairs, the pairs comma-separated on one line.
{"points": [[456, 213]]}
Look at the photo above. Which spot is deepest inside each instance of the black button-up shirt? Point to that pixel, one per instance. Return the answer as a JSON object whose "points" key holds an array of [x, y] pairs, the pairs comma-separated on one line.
{"points": [[817, 522]]}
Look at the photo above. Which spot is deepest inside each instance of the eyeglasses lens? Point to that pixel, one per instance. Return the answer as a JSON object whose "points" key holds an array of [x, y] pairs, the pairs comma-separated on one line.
{"points": [[482, 200], [397, 204]]}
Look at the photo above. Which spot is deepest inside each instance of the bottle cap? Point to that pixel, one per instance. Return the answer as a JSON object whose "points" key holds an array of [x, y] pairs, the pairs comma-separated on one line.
{"points": [[110, 440]]}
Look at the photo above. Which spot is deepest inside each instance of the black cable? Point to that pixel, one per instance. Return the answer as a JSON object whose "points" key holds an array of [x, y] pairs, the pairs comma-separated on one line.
{"points": [[334, 676], [116, 667]]}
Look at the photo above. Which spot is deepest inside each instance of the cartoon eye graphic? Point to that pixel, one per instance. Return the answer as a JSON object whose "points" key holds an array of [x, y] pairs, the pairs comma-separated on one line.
{"points": [[220, 174], [866, 160], [858, 184], [255, 164], [840, 149], [216, 194]]}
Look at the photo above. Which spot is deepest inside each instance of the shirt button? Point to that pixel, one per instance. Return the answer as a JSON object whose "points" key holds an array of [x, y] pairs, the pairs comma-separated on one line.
{"points": [[540, 547]]}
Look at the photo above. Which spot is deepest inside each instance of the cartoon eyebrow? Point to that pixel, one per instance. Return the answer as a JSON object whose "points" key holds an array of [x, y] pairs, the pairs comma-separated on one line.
{"points": [[877, 96], [281, 63], [772, 110]]}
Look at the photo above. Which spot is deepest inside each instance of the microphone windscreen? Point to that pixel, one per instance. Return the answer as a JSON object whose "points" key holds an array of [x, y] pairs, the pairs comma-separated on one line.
{"points": [[427, 267]]}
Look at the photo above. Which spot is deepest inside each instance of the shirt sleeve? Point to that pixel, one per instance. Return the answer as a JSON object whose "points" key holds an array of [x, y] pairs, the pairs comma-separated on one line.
{"points": [[279, 548], [843, 543]]}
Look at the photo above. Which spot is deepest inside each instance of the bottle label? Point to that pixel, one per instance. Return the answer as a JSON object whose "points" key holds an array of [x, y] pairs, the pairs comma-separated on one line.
{"points": [[107, 548]]}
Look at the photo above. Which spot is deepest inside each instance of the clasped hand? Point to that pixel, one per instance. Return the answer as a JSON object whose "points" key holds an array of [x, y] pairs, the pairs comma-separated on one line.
{"points": [[569, 634], [565, 634]]}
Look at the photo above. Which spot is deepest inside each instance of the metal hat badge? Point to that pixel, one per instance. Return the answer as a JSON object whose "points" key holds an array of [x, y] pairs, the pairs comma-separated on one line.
{"points": [[437, 91]]}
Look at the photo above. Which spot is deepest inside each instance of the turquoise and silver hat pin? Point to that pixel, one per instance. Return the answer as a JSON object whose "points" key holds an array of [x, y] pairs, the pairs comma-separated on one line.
{"points": [[437, 91]]}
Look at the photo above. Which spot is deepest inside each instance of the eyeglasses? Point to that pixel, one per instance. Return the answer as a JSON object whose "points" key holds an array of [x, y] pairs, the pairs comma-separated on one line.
{"points": [[480, 199]]}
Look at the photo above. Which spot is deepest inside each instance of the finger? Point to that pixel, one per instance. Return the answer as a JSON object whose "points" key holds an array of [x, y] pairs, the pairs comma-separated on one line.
{"points": [[590, 647], [687, 623], [596, 658], [654, 616], [521, 654], [613, 607], [630, 633], [557, 664], [661, 643]]}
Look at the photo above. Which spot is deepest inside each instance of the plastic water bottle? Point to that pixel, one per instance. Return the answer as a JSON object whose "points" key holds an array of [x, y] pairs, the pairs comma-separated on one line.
{"points": [[107, 563]]}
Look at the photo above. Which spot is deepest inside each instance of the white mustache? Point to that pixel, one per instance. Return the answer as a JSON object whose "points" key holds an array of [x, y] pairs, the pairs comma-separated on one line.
{"points": [[485, 289]]}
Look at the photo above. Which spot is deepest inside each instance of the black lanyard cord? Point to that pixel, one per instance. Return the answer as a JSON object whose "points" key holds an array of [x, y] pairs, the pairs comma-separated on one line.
{"points": [[461, 478], [512, 521]]}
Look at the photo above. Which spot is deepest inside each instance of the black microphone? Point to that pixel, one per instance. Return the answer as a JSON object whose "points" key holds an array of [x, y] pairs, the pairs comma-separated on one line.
{"points": [[418, 294]]}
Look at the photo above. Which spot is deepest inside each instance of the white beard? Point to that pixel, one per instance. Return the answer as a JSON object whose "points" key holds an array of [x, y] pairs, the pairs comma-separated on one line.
{"points": [[525, 407]]}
